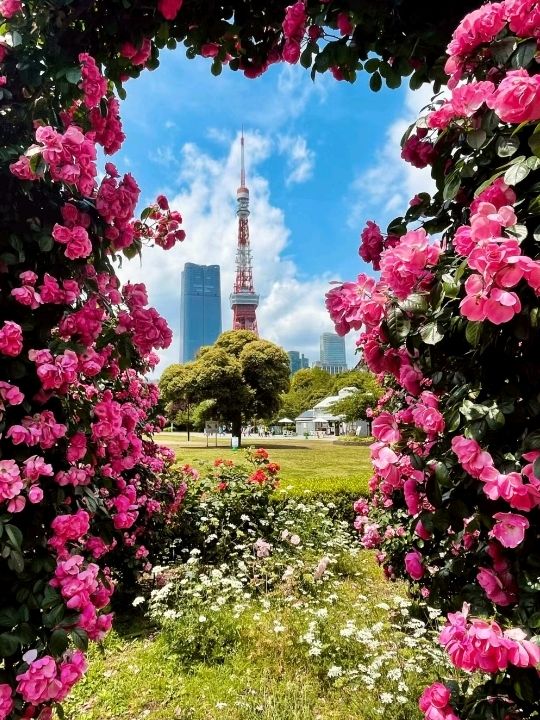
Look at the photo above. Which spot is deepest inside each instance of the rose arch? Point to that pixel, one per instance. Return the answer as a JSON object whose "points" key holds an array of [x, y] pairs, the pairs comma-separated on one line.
{"points": [[452, 324]]}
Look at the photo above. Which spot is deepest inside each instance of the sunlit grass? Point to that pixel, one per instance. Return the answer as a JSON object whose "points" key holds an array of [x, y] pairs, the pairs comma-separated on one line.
{"points": [[306, 465], [268, 675]]}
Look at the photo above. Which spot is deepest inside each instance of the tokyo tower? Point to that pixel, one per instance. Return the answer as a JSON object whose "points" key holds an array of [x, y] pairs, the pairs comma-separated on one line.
{"points": [[244, 299]]}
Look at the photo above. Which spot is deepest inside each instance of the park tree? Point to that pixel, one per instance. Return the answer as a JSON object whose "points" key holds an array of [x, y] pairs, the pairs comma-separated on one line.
{"points": [[243, 376], [356, 405], [308, 387]]}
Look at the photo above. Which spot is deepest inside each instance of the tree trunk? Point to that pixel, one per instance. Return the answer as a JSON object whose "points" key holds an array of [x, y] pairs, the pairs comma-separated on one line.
{"points": [[237, 429]]}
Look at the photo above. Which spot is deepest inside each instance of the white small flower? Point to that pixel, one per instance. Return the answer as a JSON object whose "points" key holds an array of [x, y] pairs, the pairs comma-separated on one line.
{"points": [[202, 619], [335, 671], [386, 698], [138, 601]]}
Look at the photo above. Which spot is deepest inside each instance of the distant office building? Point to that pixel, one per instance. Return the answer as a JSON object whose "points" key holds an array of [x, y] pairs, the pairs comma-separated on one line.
{"points": [[330, 368], [297, 362], [333, 350], [200, 308]]}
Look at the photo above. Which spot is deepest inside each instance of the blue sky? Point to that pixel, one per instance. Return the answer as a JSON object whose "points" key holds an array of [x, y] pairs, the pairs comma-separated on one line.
{"points": [[322, 158]]}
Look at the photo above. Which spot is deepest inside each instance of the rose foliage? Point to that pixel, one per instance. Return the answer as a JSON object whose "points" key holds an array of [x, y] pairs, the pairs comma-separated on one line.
{"points": [[452, 325]]}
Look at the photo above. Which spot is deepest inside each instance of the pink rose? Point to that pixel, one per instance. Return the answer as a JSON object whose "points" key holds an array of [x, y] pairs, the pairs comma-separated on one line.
{"points": [[344, 24], [517, 99], [414, 565], [35, 494], [6, 701], [11, 339], [509, 529], [385, 428], [169, 8]]}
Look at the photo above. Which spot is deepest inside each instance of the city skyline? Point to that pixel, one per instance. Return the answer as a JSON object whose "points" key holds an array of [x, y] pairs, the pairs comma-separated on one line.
{"points": [[299, 248]]}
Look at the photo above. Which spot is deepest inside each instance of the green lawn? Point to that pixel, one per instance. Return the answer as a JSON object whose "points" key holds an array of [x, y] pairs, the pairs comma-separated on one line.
{"points": [[306, 465]]}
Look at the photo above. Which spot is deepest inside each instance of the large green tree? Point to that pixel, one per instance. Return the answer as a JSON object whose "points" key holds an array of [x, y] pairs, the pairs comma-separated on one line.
{"points": [[354, 406], [308, 386], [241, 373]]}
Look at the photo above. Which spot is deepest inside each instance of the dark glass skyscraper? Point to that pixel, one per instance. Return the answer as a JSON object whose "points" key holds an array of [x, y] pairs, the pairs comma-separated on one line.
{"points": [[200, 308]]}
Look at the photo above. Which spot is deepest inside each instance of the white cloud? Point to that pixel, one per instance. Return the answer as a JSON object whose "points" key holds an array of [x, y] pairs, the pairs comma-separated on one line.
{"points": [[291, 310], [300, 160], [390, 183]]}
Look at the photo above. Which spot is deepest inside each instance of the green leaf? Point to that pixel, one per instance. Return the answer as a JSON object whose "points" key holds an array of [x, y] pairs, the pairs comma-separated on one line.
{"points": [[476, 138], [371, 65], [516, 173], [80, 639], [452, 421], [473, 332], [503, 49], [532, 162], [534, 141], [524, 688], [431, 334], [452, 186], [217, 67], [507, 146], [433, 491], [416, 81], [524, 54], [534, 620], [15, 536], [46, 243], [16, 561], [375, 82], [306, 58], [73, 75], [9, 644], [399, 325], [58, 642]]}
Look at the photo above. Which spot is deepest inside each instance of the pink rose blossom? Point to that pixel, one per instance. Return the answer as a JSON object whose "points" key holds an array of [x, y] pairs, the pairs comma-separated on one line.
{"points": [[11, 483], [137, 55], [509, 529], [517, 98], [385, 428], [169, 8], [11, 339], [9, 8], [435, 703], [6, 701], [414, 565]]}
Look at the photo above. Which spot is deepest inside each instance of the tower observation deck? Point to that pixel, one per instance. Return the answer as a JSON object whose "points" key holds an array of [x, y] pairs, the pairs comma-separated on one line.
{"points": [[244, 300]]}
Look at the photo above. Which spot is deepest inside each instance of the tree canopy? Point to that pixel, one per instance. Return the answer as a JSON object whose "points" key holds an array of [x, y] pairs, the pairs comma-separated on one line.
{"points": [[241, 373], [310, 385]]}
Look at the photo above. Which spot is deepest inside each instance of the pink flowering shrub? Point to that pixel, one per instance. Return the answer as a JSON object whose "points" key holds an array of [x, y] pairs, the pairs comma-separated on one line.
{"points": [[83, 503], [451, 324]]}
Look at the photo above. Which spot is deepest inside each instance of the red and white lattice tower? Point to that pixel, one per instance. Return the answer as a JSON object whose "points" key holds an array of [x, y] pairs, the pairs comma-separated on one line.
{"points": [[244, 299]]}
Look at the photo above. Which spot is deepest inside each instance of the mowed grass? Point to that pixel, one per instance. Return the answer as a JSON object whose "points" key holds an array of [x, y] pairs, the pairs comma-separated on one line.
{"points": [[307, 466]]}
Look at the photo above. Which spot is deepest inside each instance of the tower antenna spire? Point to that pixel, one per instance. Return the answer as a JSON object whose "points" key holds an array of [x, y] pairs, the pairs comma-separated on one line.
{"points": [[243, 168], [244, 299]]}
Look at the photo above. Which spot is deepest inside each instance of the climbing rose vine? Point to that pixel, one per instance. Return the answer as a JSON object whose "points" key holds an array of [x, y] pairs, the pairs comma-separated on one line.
{"points": [[80, 478], [452, 325]]}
